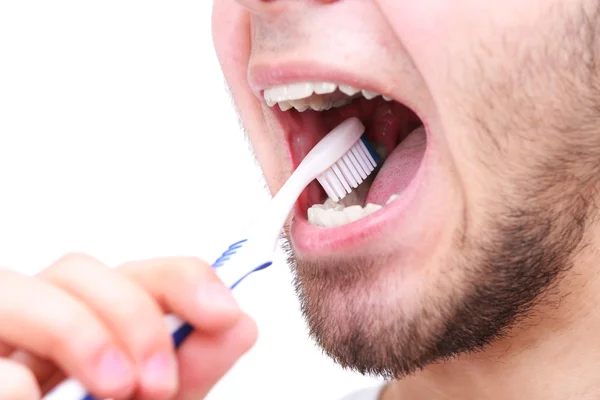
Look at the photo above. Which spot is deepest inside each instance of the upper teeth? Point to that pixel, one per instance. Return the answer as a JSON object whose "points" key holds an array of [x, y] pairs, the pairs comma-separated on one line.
{"points": [[317, 96]]}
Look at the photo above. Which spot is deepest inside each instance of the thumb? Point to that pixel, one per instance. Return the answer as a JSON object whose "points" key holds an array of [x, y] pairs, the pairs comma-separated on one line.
{"points": [[17, 382], [204, 358]]}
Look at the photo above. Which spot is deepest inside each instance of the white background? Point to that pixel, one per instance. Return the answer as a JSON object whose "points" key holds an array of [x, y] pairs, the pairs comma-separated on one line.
{"points": [[118, 139]]}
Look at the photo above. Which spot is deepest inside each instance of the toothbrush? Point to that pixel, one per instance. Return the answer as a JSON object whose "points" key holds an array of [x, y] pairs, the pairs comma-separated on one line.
{"points": [[340, 162]]}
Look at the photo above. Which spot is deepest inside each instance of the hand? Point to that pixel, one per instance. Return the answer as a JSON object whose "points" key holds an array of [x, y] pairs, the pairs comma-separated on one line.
{"points": [[105, 328]]}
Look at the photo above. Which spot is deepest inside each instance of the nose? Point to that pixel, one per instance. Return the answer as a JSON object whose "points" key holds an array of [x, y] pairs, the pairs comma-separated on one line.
{"points": [[272, 6]]}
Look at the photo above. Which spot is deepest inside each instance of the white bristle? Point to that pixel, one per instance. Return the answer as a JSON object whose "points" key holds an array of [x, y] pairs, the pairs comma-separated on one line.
{"points": [[348, 172], [356, 164], [355, 176], [367, 154], [336, 169]]}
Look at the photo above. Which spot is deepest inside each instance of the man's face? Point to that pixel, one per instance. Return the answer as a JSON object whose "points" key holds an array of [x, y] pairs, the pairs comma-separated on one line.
{"points": [[495, 193]]}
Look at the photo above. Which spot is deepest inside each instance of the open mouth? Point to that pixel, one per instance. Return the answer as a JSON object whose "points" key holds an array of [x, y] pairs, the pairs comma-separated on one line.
{"points": [[310, 110]]}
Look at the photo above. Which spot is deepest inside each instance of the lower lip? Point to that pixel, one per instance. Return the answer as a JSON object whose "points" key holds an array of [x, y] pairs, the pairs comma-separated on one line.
{"points": [[312, 241]]}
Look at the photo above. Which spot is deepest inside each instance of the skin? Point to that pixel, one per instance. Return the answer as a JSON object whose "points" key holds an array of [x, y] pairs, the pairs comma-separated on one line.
{"points": [[122, 348], [491, 292]]}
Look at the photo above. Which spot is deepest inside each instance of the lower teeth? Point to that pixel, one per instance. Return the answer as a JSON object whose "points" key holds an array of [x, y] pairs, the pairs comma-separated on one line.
{"points": [[331, 214]]}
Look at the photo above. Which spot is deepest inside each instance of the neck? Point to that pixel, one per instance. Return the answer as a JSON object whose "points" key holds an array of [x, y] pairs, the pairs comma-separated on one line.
{"points": [[553, 355]]}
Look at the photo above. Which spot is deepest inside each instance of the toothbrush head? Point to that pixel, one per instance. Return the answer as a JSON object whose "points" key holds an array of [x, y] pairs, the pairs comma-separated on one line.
{"points": [[349, 171]]}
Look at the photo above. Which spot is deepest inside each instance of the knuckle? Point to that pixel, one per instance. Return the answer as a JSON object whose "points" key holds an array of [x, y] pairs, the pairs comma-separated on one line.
{"points": [[68, 265], [129, 267], [70, 262], [73, 260]]}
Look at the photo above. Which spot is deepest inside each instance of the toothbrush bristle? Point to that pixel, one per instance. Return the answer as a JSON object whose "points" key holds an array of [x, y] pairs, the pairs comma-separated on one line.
{"points": [[348, 172]]}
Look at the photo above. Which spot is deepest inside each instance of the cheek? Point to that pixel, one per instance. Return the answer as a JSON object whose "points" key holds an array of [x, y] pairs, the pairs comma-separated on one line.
{"points": [[440, 37], [231, 37], [424, 27], [435, 36]]}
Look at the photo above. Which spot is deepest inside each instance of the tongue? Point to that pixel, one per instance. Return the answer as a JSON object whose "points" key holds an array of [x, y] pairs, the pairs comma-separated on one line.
{"points": [[399, 168]]}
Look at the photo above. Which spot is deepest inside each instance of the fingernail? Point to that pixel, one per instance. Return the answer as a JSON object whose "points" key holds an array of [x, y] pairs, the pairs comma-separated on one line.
{"points": [[160, 371], [114, 367], [218, 298]]}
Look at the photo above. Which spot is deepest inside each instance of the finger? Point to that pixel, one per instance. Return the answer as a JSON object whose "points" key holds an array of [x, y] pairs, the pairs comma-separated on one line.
{"points": [[189, 288], [17, 382], [42, 319], [40, 368], [129, 312], [5, 349], [205, 358]]}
